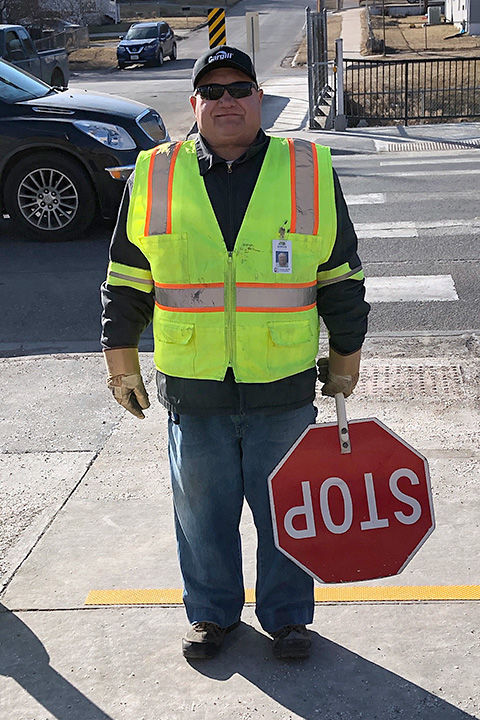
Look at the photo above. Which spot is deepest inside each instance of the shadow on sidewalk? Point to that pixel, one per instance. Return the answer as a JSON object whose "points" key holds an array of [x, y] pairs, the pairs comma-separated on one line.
{"points": [[333, 683], [24, 658]]}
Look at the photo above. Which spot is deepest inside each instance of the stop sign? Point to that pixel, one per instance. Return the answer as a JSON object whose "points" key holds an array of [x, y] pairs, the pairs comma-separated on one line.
{"points": [[354, 516]]}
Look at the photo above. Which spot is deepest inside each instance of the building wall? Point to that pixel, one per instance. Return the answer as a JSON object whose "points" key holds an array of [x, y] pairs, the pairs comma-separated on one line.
{"points": [[456, 10]]}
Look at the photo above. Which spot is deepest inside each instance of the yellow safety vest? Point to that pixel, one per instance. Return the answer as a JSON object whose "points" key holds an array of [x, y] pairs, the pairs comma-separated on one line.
{"points": [[252, 309]]}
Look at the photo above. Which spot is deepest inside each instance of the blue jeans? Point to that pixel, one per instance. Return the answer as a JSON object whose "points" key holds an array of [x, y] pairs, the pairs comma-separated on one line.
{"points": [[215, 462]]}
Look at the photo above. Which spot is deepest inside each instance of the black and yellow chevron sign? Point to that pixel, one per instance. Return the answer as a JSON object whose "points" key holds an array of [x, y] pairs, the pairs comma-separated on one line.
{"points": [[217, 34]]}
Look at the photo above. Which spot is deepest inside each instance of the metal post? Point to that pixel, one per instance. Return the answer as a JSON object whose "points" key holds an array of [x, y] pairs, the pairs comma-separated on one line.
{"points": [[325, 49], [384, 40], [340, 122], [406, 92], [311, 101], [252, 30], [343, 434]]}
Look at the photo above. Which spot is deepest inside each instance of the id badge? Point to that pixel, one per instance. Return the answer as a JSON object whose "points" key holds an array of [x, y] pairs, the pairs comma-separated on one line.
{"points": [[282, 256]]}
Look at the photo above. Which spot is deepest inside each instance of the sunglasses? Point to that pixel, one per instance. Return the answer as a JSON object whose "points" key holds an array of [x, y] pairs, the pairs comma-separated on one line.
{"points": [[235, 90]]}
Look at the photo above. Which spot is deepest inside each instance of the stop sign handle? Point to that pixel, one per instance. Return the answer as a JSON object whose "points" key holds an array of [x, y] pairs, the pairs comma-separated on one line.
{"points": [[343, 433]]}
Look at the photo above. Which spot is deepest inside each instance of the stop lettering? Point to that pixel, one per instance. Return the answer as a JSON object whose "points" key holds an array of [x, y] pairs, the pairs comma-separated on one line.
{"points": [[355, 516]]}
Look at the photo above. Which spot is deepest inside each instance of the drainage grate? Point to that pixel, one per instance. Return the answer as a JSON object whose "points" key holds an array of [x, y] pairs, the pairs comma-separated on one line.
{"points": [[419, 145], [433, 381]]}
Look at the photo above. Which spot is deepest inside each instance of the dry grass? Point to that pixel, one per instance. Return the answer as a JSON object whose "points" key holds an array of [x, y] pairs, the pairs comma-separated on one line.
{"points": [[406, 37]]}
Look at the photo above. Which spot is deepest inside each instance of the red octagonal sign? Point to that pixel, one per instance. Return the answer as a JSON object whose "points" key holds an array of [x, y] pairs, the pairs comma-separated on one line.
{"points": [[354, 516]]}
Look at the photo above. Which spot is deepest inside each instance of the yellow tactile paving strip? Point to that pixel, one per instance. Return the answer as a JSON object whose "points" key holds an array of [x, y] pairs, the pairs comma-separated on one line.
{"points": [[347, 593]]}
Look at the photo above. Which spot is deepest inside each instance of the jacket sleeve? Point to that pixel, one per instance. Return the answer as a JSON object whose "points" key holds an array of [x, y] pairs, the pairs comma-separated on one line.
{"points": [[127, 293], [341, 285]]}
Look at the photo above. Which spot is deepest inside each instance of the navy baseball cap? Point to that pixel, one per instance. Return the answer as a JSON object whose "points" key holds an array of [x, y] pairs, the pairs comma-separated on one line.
{"points": [[222, 56]]}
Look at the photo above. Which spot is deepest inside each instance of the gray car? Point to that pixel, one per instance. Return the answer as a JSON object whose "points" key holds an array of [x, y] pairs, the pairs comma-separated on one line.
{"points": [[147, 43]]}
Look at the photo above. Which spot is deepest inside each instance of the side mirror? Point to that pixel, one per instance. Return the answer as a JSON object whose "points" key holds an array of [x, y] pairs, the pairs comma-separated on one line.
{"points": [[120, 37]]}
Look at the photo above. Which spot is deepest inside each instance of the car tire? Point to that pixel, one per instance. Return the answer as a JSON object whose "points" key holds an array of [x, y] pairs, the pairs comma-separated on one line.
{"points": [[173, 54], [159, 58], [121, 66], [58, 78], [62, 210]]}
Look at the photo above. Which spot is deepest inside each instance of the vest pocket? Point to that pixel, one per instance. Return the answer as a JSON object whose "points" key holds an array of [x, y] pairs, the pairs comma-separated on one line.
{"points": [[174, 348], [292, 347], [174, 333]]}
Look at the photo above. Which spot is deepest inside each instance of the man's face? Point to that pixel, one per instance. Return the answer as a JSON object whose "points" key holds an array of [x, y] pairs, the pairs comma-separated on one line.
{"points": [[228, 120], [282, 259]]}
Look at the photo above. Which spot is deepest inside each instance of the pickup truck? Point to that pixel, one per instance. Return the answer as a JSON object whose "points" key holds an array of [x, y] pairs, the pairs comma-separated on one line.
{"points": [[17, 47]]}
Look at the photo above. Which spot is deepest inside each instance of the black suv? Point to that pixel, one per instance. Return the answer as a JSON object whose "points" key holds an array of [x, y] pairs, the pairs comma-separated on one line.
{"points": [[56, 148], [147, 43]]}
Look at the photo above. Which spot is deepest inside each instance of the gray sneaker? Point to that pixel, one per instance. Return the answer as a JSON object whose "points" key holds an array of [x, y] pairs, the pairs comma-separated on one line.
{"points": [[203, 640], [291, 641]]}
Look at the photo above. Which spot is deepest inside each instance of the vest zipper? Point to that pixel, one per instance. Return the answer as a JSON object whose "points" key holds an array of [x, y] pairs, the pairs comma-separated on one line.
{"points": [[229, 282], [229, 308]]}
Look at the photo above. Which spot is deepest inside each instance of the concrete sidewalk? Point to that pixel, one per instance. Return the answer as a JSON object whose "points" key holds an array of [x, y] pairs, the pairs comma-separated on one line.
{"points": [[86, 497]]}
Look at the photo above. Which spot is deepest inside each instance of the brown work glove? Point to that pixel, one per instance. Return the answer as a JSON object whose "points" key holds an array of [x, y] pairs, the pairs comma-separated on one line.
{"points": [[339, 372], [125, 381]]}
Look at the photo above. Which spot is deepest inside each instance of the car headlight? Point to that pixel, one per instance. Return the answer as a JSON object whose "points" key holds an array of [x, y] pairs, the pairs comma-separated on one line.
{"points": [[112, 136], [121, 50]]}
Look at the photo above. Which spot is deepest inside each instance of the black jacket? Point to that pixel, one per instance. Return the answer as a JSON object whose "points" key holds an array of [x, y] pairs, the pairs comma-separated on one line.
{"points": [[127, 312]]}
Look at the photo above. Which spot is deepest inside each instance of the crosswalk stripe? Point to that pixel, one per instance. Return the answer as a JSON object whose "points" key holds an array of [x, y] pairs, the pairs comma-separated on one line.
{"points": [[406, 228], [423, 173], [411, 288], [432, 160], [386, 229], [367, 199]]}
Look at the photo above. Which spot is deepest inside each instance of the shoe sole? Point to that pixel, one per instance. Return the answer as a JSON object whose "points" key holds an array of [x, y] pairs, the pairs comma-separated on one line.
{"points": [[204, 651]]}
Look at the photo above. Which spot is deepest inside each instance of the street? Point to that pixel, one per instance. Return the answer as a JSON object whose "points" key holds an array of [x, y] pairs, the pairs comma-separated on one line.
{"points": [[85, 496]]}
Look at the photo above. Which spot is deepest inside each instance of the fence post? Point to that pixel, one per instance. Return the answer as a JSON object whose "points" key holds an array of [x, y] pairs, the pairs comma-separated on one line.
{"points": [[340, 122], [324, 48], [311, 100], [406, 92]]}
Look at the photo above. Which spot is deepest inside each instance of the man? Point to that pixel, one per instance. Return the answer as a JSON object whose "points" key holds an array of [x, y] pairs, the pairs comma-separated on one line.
{"points": [[236, 333]]}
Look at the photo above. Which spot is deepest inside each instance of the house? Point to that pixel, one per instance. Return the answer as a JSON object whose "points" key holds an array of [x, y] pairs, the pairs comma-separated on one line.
{"points": [[465, 13]]}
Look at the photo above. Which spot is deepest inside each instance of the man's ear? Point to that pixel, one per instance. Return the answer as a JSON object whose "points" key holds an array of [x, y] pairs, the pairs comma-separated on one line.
{"points": [[193, 102]]}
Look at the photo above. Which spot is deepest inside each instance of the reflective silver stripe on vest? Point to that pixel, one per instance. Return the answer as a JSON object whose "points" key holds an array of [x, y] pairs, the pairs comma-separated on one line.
{"points": [[159, 191], [265, 297], [304, 187], [130, 278], [201, 298], [339, 278], [195, 298]]}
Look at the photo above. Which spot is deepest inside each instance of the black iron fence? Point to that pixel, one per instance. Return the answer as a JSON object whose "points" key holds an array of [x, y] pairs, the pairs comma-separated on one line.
{"points": [[408, 91]]}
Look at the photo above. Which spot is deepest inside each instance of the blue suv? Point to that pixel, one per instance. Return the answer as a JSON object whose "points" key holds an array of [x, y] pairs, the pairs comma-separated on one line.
{"points": [[147, 43]]}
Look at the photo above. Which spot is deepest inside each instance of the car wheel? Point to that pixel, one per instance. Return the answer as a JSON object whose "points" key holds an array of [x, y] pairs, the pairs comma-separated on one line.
{"points": [[173, 54], [160, 58], [58, 78], [50, 197], [121, 66]]}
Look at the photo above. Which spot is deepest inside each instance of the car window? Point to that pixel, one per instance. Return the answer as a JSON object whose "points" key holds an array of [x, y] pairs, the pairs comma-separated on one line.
{"points": [[141, 33], [27, 43], [13, 46], [164, 29], [16, 85]]}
